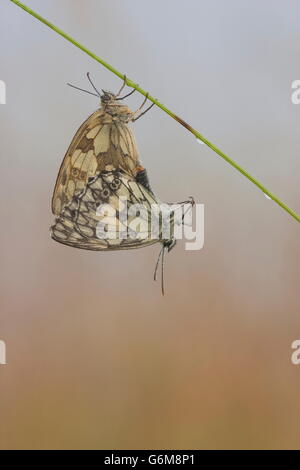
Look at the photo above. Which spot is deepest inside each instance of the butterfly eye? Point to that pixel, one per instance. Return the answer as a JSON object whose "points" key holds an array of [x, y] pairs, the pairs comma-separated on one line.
{"points": [[115, 184]]}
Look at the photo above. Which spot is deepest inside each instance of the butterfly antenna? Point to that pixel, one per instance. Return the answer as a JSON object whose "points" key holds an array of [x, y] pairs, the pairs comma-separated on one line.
{"points": [[81, 89], [162, 271], [90, 80], [157, 262]]}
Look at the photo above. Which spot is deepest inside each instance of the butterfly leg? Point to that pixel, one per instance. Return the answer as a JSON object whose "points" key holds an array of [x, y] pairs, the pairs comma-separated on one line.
{"points": [[122, 88], [190, 203], [139, 109]]}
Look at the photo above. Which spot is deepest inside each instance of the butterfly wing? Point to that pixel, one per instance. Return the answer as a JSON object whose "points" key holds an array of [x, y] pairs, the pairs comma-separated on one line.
{"points": [[77, 166], [83, 224], [100, 141]]}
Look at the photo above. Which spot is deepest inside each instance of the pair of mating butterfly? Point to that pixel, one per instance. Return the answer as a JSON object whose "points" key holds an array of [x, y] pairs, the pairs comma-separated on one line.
{"points": [[102, 166]]}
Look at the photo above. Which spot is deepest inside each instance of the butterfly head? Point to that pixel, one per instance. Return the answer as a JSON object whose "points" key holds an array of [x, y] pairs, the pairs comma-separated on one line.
{"points": [[108, 98], [169, 244]]}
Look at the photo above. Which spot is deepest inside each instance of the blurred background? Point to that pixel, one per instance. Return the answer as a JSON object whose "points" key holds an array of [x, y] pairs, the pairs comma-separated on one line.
{"points": [[96, 357]]}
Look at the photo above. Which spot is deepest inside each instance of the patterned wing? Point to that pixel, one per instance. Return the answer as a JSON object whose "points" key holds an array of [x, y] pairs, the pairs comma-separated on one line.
{"points": [[101, 216], [100, 141], [78, 164]]}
